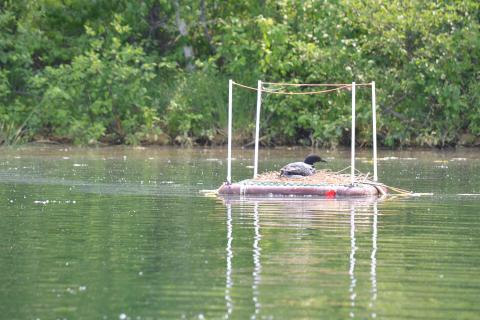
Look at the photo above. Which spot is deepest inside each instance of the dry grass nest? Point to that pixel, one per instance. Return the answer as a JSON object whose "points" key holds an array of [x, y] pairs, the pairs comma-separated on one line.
{"points": [[320, 177]]}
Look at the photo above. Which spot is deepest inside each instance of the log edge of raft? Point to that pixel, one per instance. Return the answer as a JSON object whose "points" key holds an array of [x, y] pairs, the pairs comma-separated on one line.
{"points": [[250, 187]]}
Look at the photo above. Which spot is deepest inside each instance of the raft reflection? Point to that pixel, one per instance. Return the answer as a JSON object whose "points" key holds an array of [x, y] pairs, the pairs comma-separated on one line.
{"points": [[325, 213]]}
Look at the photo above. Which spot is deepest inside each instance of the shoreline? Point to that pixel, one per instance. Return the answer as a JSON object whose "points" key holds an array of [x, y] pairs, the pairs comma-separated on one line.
{"points": [[42, 143]]}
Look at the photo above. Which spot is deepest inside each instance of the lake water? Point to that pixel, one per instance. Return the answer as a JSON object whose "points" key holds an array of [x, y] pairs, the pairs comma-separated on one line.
{"points": [[124, 233]]}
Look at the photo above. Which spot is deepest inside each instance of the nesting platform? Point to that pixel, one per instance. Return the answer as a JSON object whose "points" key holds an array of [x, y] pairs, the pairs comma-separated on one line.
{"points": [[323, 183]]}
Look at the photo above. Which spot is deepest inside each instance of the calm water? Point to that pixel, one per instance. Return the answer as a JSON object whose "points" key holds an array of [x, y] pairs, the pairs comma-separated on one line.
{"points": [[123, 233]]}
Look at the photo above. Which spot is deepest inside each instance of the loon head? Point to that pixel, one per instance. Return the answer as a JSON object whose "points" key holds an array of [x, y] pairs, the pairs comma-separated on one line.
{"points": [[311, 159]]}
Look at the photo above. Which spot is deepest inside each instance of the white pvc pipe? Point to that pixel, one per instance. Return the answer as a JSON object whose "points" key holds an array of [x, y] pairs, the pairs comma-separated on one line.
{"points": [[352, 165], [229, 156], [374, 126], [257, 128]]}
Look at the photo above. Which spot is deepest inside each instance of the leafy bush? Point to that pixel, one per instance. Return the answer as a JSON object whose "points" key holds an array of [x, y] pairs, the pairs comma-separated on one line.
{"points": [[102, 95]]}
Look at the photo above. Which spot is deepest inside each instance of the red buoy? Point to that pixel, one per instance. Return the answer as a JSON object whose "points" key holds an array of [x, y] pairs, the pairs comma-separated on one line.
{"points": [[330, 194]]}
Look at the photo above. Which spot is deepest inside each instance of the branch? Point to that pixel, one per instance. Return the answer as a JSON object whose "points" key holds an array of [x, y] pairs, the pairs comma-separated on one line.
{"points": [[253, 141]]}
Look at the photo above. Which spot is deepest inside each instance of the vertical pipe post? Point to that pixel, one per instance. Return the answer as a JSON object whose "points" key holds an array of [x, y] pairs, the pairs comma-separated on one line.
{"points": [[229, 156], [352, 165], [257, 128], [374, 127]]}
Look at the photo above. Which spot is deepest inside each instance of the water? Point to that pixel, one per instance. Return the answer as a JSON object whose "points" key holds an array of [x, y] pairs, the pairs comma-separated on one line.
{"points": [[123, 233]]}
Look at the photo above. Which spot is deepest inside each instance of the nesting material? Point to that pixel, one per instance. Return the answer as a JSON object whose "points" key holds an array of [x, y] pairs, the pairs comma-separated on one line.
{"points": [[320, 177]]}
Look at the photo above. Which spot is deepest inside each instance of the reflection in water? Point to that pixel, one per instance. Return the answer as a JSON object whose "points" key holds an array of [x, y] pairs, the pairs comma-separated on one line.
{"points": [[351, 272], [294, 206], [325, 208], [228, 275], [256, 261], [373, 265]]}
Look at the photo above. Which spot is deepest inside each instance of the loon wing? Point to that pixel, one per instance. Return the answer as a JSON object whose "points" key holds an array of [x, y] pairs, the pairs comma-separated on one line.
{"points": [[297, 168]]}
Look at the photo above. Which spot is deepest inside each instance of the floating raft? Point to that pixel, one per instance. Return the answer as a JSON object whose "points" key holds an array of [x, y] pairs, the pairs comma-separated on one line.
{"points": [[253, 187], [326, 184]]}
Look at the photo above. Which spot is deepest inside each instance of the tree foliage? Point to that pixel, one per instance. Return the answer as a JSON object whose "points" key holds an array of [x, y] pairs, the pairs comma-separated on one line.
{"points": [[156, 71]]}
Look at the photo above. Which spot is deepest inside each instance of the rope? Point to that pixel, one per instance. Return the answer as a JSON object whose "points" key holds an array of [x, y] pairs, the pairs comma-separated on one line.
{"points": [[316, 84], [341, 87], [307, 92], [244, 86]]}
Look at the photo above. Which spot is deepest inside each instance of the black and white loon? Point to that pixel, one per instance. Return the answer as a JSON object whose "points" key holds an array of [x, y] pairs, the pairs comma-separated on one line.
{"points": [[301, 169]]}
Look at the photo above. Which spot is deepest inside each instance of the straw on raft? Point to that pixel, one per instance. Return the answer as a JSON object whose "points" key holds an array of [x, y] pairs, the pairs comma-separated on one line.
{"points": [[320, 177]]}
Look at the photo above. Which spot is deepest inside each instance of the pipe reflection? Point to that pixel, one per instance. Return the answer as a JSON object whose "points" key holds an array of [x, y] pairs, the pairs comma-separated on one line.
{"points": [[351, 271], [319, 214], [228, 275], [257, 267], [373, 264]]}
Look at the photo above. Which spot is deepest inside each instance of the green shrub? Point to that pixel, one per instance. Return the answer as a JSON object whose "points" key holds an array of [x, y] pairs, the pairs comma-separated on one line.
{"points": [[103, 93]]}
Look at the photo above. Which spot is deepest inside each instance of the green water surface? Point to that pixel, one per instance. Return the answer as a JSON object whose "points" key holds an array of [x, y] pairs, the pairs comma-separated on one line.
{"points": [[124, 233]]}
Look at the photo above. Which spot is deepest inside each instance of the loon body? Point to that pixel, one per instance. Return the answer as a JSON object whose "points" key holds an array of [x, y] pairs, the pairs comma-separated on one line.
{"points": [[301, 169]]}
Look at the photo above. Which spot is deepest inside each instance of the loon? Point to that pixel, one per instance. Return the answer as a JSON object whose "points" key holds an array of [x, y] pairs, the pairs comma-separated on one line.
{"points": [[301, 169]]}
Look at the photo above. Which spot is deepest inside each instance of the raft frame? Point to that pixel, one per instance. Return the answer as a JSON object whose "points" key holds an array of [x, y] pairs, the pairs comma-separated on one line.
{"points": [[279, 189], [251, 187]]}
